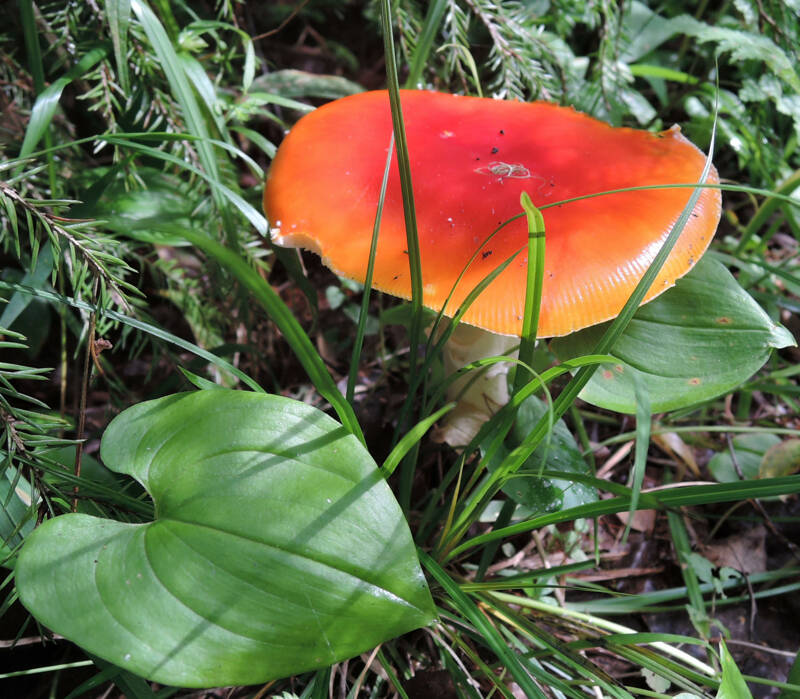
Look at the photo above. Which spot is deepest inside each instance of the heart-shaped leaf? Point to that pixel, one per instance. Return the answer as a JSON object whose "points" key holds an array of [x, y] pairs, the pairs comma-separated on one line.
{"points": [[696, 341], [277, 547]]}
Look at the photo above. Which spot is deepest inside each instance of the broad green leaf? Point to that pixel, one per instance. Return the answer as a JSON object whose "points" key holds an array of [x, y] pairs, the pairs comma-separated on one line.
{"points": [[558, 453], [277, 547], [733, 685], [696, 341], [749, 452]]}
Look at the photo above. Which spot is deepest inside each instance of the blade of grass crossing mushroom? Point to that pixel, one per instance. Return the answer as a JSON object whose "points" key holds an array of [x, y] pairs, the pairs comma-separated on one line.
{"points": [[358, 343], [435, 343], [488, 633], [478, 499], [533, 288], [412, 237], [287, 324], [406, 185]]}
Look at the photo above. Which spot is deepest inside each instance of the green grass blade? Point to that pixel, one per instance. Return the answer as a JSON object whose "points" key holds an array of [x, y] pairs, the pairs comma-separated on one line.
{"points": [[643, 420], [767, 210], [663, 499], [118, 13], [286, 322], [217, 187], [412, 238], [683, 551], [358, 342], [411, 438], [533, 285], [47, 102], [182, 89], [488, 632], [424, 45]]}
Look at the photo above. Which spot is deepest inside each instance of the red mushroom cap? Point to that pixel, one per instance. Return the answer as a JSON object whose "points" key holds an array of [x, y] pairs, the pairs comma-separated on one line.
{"points": [[470, 160]]}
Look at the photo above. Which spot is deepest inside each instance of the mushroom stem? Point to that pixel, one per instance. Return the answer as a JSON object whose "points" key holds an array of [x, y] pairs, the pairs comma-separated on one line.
{"points": [[477, 398]]}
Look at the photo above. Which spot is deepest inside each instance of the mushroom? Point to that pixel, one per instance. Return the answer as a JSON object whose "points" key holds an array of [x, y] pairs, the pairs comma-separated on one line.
{"points": [[471, 158]]}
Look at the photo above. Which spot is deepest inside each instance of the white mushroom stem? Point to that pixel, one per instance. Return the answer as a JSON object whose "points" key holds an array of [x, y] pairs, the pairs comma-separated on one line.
{"points": [[487, 393]]}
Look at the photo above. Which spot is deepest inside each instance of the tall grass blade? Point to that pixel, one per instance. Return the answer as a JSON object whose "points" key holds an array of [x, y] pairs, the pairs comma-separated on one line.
{"points": [[47, 102], [415, 269], [118, 13], [488, 632], [411, 438], [182, 89], [658, 500], [286, 322], [424, 46], [358, 343], [643, 424], [533, 286]]}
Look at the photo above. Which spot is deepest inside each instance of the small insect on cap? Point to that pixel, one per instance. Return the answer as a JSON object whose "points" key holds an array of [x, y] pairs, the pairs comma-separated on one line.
{"points": [[470, 160]]}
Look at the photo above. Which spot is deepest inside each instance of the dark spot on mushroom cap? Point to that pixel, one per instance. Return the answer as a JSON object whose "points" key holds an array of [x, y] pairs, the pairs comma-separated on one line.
{"points": [[486, 254], [495, 150], [502, 132]]}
